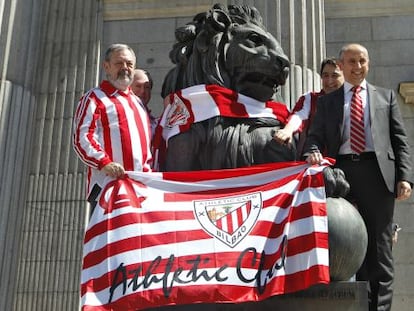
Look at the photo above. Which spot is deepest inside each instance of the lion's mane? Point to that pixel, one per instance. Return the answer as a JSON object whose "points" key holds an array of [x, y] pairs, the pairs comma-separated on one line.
{"points": [[207, 50]]}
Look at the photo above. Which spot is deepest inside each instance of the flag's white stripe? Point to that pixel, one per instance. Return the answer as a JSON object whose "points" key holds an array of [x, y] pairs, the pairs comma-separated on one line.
{"points": [[312, 224], [235, 220], [315, 195], [198, 247], [294, 264], [303, 261], [244, 212], [154, 180], [224, 224]]}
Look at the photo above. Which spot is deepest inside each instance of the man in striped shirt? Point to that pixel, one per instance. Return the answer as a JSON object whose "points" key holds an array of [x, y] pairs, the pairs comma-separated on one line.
{"points": [[112, 131], [304, 110]]}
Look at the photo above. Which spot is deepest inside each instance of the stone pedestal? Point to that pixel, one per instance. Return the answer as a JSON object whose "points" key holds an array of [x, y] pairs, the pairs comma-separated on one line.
{"points": [[338, 296]]}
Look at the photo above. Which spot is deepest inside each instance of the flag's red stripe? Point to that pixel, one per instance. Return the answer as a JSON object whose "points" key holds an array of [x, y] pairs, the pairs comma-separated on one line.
{"points": [[219, 223], [230, 223], [307, 242], [311, 181], [195, 176]]}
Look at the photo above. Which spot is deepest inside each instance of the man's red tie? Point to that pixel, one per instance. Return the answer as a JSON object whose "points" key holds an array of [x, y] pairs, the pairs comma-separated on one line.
{"points": [[357, 122]]}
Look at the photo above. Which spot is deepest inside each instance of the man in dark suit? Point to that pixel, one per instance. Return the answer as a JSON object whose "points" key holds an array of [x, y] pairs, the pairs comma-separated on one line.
{"points": [[378, 172]]}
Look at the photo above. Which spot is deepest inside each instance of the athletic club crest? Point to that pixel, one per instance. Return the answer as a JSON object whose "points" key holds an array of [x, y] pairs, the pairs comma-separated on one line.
{"points": [[229, 219], [178, 113]]}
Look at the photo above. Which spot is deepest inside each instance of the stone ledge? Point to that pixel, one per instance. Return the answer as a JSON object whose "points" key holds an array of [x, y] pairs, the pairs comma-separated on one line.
{"points": [[406, 90], [367, 8], [338, 296], [134, 10]]}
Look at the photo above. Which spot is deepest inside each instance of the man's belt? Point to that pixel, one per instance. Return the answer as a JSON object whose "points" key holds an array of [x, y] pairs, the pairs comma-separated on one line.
{"points": [[356, 157]]}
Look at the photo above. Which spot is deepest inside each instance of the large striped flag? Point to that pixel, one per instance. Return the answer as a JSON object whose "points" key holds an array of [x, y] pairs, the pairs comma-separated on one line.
{"points": [[227, 236]]}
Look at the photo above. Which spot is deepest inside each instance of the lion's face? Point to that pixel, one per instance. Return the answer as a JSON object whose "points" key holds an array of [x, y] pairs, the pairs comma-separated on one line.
{"points": [[254, 61]]}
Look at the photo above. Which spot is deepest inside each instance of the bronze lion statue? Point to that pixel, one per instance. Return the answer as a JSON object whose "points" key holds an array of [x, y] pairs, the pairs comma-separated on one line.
{"points": [[228, 47], [222, 107]]}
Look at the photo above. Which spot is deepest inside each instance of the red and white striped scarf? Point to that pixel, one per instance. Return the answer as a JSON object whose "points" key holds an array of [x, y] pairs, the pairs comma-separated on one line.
{"points": [[202, 102]]}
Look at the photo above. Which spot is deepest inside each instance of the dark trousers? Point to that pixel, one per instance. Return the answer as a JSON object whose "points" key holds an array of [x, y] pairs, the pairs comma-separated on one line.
{"points": [[376, 206]]}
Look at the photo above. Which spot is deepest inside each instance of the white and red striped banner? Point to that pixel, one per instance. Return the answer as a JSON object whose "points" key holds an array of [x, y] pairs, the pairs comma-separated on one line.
{"points": [[232, 235]]}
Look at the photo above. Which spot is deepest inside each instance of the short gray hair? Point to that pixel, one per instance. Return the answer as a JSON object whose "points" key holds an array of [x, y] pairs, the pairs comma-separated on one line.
{"points": [[118, 47]]}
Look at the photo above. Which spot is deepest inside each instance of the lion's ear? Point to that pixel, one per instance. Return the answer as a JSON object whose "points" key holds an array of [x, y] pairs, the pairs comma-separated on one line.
{"points": [[203, 41], [220, 20], [185, 33]]}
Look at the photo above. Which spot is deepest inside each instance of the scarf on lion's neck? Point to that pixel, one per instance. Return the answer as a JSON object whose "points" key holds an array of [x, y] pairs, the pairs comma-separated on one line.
{"points": [[201, 102]]}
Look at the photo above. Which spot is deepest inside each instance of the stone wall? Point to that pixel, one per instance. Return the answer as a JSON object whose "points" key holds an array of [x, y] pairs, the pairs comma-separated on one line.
{"points": [[385, 28]]}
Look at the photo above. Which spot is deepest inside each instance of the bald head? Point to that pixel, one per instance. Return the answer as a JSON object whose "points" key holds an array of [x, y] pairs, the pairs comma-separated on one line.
{"points": [[354, 62], [142, 85], [353, 47]]}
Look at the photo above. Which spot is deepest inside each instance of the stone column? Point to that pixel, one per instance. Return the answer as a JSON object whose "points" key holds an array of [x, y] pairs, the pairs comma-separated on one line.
{"points": [[16, 107], [50, 53]]}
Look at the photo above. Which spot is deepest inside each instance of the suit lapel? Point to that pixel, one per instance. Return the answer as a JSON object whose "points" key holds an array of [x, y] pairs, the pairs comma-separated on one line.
{"points": [[371, 98], [337, 114], [339, 109]]}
